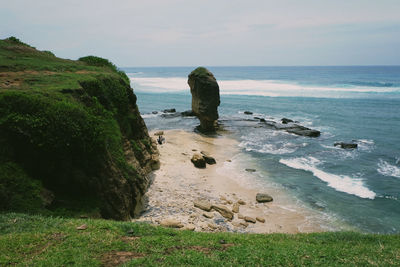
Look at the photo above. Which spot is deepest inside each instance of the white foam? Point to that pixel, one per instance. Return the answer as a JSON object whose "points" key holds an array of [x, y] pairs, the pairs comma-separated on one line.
{"points": [[387, 169], [253, 87], [342, 183]]}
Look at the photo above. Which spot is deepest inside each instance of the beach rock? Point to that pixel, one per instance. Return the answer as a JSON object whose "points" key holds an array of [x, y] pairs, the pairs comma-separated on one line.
{"points": [[159, 133], [224, 211], [189, 227], [346, 145], [188, 113], [303, 131], [261, 197], [171, 110], [250, 170], [154, 112], [244, 224], [260, 219], [212, 226], [248, 112], [198, 161], [286, 121], [171, 223], [240, 216], [249, 219], [203, 205], [209, 160], [205, 98], [208, 215], [235, 208], [241, 202]]}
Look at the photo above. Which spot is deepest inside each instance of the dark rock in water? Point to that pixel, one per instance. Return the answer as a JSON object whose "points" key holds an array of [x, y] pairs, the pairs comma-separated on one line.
{"points": [[250, 170], [346, 145], [198, 161], [205, 98], [286, 121], [188, 113], [262, 120], [171, 110], [248, 112], [261, 197], [209, 160], [170, 115], [154, 112], [304, 131]]}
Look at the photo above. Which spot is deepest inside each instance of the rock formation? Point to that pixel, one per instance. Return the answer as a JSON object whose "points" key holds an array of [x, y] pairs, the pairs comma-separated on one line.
{"points": [[205, 98]]}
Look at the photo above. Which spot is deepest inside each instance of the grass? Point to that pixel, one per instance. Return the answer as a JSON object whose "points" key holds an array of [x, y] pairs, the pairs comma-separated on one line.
{"points": [[47, 241]]}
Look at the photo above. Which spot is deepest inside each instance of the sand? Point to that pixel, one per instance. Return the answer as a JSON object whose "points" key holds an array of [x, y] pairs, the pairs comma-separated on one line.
{"points": [[177, 184]]}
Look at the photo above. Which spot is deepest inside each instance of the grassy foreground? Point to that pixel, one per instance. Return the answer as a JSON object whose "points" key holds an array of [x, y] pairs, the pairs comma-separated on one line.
{"points": [[30, 240]]}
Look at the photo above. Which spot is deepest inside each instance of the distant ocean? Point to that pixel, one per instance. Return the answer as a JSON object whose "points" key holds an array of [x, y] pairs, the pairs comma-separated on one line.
{"points": [[358, 187]]}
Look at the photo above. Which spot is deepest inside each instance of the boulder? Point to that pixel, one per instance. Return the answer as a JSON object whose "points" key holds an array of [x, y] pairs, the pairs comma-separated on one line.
{"points": [[198, 161], [224, 211], [171, 110], [303, 131], [188, 113], [346, 145], [241, 202], [205, 98], [208, 215], [260, 219], [249, 219], [154, 112], [235, 208], [248, 112], [286, 121], [209, 160], [261, 197], [171, 223], [203, 205]]}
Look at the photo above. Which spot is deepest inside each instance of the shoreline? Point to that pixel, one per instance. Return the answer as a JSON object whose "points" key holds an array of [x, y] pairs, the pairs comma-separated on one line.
{"points": [[178, 184]]}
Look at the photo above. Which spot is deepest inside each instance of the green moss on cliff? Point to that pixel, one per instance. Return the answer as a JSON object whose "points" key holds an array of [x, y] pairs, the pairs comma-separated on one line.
{"points": [[64, 122]]}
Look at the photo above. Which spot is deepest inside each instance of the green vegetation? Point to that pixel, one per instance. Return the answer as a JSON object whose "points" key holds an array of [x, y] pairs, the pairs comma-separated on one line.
{"points": [[200, 72], [63, 124], [47, 241]]}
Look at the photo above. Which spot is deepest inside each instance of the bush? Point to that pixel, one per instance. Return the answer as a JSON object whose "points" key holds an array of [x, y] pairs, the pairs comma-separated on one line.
{"points": [[102, 62]]}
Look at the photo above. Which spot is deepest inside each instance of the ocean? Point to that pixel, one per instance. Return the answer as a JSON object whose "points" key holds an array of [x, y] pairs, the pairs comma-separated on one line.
{"points": [[359, 188]]}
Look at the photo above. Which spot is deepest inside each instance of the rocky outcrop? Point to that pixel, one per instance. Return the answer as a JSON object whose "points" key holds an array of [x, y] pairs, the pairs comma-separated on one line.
{"points": [[198, 161], [205, 98]]}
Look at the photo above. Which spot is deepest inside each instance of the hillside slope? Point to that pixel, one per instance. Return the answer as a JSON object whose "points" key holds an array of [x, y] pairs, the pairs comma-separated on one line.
{"points": [[71, 135]]}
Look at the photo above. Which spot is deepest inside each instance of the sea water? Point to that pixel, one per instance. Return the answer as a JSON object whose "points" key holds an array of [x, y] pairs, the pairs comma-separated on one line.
{"points": [[360, 187]]}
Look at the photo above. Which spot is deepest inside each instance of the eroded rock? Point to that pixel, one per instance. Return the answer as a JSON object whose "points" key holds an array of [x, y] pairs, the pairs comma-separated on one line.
{"points": [[224, 211], [262, 197], [198, 161], [203, 205]]}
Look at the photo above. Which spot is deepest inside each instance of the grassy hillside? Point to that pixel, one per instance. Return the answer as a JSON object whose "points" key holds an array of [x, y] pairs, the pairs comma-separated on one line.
{"points": [[46, 241], [68, 130]]}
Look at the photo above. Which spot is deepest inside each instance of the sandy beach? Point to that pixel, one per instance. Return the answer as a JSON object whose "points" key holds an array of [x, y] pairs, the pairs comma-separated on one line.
{"points": [[178, 184]]}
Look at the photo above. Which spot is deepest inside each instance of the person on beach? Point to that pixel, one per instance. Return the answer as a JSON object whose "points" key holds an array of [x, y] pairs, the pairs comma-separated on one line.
{"points": [[160, 139]]}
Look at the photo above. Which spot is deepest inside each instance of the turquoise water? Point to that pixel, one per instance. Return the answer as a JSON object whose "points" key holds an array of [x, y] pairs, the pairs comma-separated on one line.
{"points": [[351, 104]]}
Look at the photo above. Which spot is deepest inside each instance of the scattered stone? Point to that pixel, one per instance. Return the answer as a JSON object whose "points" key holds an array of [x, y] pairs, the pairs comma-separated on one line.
{"points": [[250, 170], [209, 160], [240, 216], [245, 224], [82, 227], [262, 220], [208, 215], [241, 202], [203, 205], [224, 211], [248, 112], [205, 98], [249, 219], [235, 208], [286, 121], [212, 226], [159, 133], [198, 161], [261, 197], [171, 223], [346, 145], [171, 110], [194, 149]]}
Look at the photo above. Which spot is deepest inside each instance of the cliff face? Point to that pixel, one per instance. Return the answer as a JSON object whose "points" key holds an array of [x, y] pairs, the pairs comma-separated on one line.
{"points": [[71, 135]]}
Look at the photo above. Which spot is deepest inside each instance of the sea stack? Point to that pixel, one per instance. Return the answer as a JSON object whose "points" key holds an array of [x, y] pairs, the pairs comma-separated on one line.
{"points": [[205, 98]]}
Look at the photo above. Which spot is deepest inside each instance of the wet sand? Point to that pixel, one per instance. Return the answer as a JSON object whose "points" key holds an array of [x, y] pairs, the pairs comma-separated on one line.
{"points": [[178, 184]]}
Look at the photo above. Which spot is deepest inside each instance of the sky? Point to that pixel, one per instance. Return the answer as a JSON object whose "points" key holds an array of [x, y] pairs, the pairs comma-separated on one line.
{"points": [[210, 32]]}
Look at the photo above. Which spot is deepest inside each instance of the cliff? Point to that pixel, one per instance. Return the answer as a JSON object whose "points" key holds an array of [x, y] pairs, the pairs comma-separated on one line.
{"points": [[71, 135]]}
